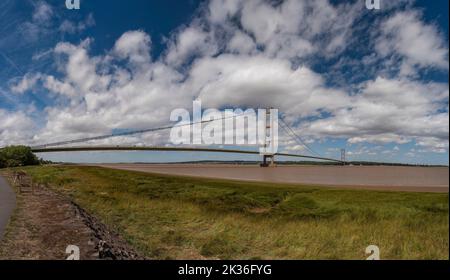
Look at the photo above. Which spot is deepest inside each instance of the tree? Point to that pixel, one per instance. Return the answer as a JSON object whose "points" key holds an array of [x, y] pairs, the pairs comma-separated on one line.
{"points": [[13, 156], [2, 160]]}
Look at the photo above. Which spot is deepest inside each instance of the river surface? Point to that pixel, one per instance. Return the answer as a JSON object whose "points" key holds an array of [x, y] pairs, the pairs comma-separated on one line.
{"points": [[424, 179]]}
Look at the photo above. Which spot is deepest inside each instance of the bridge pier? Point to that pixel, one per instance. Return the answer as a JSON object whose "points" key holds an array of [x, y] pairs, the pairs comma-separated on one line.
{"points": [[268, 160]]}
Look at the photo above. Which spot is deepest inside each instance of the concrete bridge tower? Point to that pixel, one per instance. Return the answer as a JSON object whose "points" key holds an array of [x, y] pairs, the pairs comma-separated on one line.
{"points": [[269, 138], [343, 157]]}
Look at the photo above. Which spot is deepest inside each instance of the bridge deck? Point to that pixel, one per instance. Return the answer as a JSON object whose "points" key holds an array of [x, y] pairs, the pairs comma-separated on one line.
{"points": [[156, 148]]}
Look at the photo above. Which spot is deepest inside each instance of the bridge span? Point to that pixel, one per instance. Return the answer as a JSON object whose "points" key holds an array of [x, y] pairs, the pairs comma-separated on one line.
{"points": [[158, 148]]}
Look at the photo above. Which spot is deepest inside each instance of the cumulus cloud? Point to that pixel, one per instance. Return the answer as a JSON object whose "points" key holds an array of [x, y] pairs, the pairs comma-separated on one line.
{"points": [[389, 111], [98, 94], [190, 42], [417, 43], [260, 82], [15, 127], [134, 45], [241, 43]]}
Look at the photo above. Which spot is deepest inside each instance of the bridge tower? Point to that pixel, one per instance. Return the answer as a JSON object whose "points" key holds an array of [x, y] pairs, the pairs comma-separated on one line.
{"points": [[268, 155], [343, 156]]}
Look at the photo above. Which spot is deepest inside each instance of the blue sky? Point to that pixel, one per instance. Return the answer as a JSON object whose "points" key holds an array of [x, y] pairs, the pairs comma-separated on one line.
{"points": [[374, 82]]}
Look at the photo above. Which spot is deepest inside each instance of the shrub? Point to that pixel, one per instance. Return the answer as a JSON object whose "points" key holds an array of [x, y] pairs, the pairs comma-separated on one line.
{"points": [[13, 156]]}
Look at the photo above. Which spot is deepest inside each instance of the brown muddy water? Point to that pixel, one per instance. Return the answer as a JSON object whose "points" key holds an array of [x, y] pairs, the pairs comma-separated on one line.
{"points": [[420, 179]]}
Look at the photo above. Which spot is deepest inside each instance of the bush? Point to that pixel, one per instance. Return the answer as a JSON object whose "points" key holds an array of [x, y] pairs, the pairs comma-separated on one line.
{"points": [[13, 156]]}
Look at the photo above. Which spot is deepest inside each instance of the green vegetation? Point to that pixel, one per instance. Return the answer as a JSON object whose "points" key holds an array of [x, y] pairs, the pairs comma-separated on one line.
{"points": [[13, 156], [169, 217]]}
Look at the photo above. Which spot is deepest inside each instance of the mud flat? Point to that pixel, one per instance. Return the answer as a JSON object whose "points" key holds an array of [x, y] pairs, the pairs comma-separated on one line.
{"points": [[398, 178]]}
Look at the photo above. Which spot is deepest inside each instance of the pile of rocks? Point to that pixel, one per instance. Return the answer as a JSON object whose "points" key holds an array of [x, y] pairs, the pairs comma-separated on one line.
{"points": [[109, 244]]}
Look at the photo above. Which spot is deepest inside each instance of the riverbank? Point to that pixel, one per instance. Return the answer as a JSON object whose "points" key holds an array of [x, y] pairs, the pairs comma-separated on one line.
{"points": [[45, 222]]}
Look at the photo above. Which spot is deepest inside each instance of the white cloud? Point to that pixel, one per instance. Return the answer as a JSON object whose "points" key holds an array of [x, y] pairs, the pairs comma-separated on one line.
{"points": [[40, 23], [43, 12], [103, 95], [389, 111], [292, 29], [71, 27], [241, 43], [26, 83], [15, 127], [134, 45], [222, 10], [191, 41], [433, 144], [260, 82], [417, 43]]}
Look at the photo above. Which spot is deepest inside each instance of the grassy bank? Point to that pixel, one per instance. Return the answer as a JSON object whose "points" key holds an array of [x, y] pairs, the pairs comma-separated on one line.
{"points": [[179, 217]]}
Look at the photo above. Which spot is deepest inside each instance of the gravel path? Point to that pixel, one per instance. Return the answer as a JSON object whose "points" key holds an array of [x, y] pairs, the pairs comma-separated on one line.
{"points": [[7, 204]]}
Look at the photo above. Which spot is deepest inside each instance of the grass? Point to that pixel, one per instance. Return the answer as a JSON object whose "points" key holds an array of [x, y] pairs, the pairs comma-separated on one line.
{"points": [[170, 217]]}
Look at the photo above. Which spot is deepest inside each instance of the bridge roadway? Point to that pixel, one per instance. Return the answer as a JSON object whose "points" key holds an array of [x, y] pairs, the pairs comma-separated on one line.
{"points": [[156, 148]]}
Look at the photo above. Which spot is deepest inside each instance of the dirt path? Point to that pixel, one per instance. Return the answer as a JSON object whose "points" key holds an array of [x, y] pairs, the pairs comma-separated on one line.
{"points": [[45, 223], [7, 204]]}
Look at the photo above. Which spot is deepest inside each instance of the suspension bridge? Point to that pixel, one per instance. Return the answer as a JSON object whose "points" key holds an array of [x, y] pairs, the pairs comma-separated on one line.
{"points": [[62, 145]]}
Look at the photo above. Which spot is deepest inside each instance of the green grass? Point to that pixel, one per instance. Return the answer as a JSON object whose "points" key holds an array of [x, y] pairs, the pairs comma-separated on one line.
{"points": [[170, 217]]}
